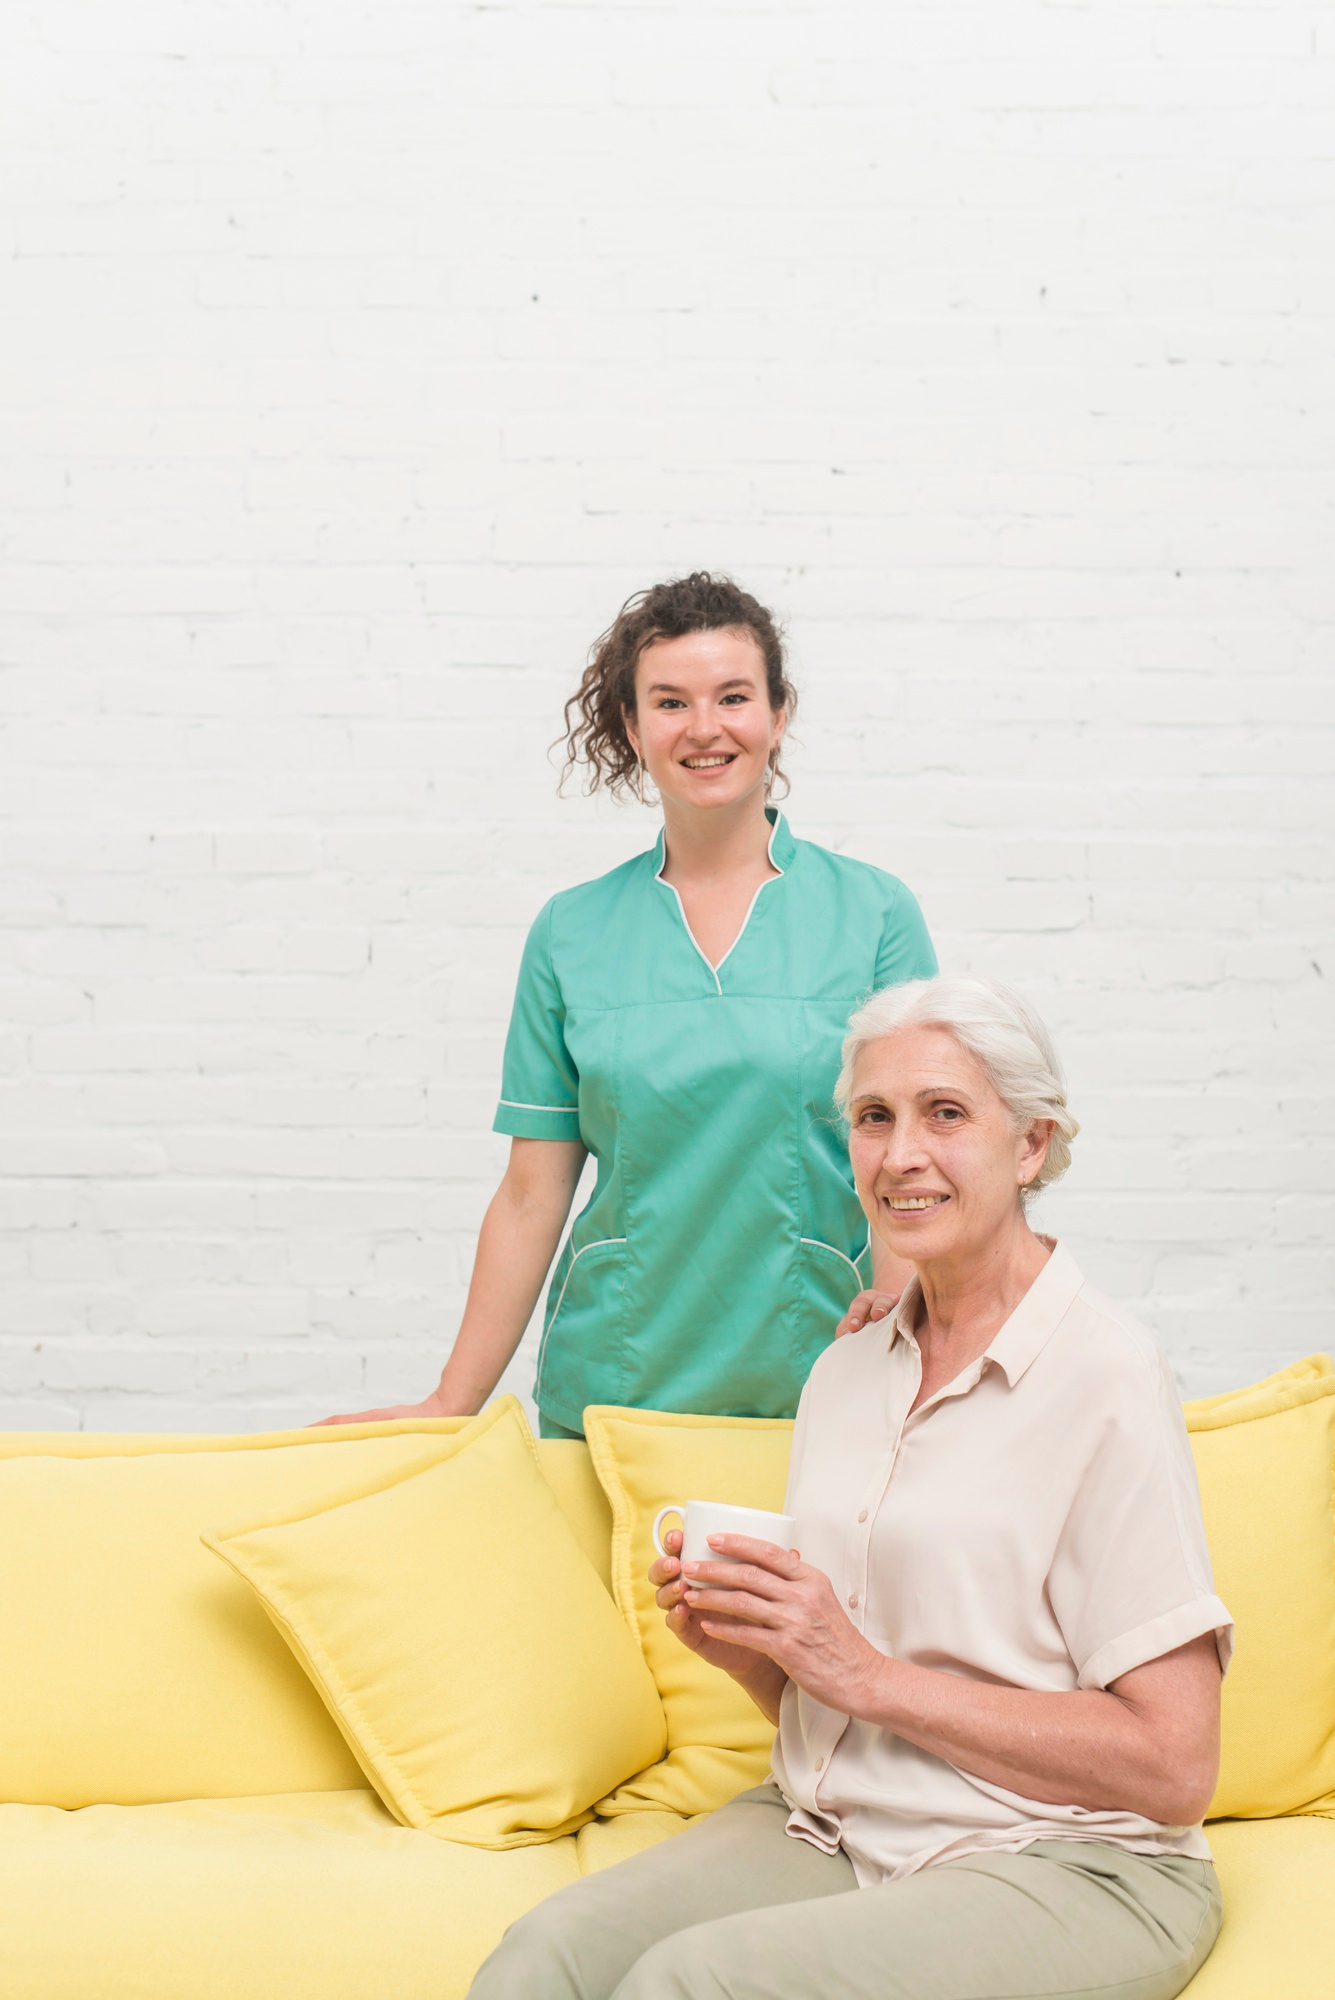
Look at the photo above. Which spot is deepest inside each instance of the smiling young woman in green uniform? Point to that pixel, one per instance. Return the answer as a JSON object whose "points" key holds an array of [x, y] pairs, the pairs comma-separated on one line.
{"points": [[681, 1019]]}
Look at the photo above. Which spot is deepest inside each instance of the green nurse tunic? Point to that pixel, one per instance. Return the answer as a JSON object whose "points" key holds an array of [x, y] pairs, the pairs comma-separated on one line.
{"points": [[723, 1240]]}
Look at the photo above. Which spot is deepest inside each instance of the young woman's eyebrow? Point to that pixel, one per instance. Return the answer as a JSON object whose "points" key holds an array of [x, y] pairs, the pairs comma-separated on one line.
{"points": [[724, 687]]}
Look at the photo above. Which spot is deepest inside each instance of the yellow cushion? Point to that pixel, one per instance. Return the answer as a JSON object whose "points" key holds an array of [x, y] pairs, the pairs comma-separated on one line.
{"points": [[1265, 1460], [1278, 1940], [568, 1470], [134, 1666], [718, 1742], [1309, 1369], [460, 1639], [321, 1896]]}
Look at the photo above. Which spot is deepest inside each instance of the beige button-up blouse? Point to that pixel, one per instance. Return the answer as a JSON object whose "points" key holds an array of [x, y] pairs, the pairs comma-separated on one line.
{"points": [[1035, 1523]]}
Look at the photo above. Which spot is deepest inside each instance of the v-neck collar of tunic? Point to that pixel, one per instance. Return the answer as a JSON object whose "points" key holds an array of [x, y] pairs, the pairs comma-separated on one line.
{"points": [[1021, 1339], [781, 848]]}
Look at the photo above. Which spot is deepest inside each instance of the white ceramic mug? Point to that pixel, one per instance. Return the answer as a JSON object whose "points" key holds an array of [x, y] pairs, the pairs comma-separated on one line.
{"points": [[702, 1518]]}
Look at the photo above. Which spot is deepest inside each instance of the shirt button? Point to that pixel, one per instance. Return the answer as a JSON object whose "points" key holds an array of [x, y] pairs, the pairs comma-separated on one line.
{"points": [[863, 1515], [853, 1602], [820, 1763]]}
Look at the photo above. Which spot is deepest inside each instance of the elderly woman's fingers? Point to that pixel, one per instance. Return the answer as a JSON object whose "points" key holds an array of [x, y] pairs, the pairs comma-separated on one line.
{"points": [[754, 1636], [666, 1567], [735, 1576], [745, 1548], [743, 1604]]}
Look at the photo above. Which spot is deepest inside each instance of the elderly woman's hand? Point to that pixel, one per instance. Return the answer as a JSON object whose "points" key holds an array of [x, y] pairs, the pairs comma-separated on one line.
{"points": [[748, 1665], [766, 1599], [670, 1592]]}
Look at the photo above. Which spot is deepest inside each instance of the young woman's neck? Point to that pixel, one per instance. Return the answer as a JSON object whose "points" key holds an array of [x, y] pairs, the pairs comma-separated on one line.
{"points": [[724, 840]]}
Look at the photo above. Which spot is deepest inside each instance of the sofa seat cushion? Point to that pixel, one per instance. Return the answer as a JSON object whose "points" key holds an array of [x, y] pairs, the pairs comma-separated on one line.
{"points": [[314, 1896], [1278, 1879]]}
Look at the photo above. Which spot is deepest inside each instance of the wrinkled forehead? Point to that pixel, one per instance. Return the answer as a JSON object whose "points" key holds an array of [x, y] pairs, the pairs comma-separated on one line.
{"points": [[918, 1060]]}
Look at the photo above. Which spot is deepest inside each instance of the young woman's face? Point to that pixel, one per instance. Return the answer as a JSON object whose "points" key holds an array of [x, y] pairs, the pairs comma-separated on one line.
{"points": [[936, 1158], [703, 727]]}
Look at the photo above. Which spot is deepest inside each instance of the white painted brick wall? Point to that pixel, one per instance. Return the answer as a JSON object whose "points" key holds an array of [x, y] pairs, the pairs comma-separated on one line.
{"points": [[359, 358]]}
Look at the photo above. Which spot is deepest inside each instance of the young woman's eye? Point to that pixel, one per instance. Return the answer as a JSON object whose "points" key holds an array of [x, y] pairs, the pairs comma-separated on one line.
{"points": [[670, 701], [735, 697]]}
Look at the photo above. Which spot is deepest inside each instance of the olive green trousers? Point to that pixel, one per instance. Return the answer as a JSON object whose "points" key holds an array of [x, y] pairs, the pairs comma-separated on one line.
{"points": [[735, 1908]]}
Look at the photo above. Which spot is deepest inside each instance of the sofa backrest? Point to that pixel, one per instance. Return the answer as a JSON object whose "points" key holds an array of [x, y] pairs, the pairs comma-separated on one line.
{"points": [[134, 1665]]}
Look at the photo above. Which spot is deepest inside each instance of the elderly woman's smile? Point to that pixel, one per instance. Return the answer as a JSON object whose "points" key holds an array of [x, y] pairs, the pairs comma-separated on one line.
{"points": [[936, 1154]]}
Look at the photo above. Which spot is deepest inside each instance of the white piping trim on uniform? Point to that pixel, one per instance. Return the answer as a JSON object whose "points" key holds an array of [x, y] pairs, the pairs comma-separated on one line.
{"points": [[513, 1104], [814, 1243], [714, 970], [601, 1244]]}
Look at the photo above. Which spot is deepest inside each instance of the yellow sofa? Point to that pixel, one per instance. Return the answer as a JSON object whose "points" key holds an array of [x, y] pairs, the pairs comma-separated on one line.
{"points": [[183, 1821]]}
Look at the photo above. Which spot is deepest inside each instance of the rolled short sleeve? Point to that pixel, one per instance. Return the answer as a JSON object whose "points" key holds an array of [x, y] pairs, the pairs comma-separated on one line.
{"points": [[1131, 1578], [905, 950], [539, 1081]]}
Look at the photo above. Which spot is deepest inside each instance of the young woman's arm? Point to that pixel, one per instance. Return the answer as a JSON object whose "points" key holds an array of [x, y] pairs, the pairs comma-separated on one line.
{"points": [[515, 1247]]}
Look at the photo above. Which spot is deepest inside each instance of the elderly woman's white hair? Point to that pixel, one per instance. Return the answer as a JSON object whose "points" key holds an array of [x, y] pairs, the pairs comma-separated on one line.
{"points": [[998, 1029]]}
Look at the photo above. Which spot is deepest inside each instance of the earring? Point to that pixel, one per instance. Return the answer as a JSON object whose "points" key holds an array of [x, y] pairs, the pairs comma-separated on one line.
{"points": [[639, 780]]}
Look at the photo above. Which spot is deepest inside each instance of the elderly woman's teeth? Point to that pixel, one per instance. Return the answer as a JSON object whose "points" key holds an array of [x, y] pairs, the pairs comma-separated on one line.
{"points": [[918, 1200]]}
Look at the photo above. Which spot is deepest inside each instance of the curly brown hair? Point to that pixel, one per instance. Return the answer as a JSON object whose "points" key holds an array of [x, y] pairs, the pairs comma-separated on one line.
{"points": [[596, 712]]}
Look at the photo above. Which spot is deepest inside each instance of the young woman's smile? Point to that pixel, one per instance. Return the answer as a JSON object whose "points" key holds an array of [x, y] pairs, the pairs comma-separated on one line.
{"points": [[703, 727]]}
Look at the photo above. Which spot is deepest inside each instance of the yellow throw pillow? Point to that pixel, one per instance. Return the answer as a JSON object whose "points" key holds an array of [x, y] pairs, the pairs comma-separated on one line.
{"points": [[1310, 1369], [134, 1668], [718, 1742], [1264, 1459], [460, 1639]]}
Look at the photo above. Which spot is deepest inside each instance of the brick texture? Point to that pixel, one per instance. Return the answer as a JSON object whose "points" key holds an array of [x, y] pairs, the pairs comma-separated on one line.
{"points": [[359, 358]]}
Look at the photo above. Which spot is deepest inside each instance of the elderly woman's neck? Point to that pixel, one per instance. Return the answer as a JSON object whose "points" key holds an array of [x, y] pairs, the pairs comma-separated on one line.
{"points": [[967, 1299]]}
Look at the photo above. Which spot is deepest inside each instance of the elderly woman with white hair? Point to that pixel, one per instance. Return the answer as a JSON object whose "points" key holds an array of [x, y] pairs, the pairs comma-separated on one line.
{"points": [[995, 1660]]}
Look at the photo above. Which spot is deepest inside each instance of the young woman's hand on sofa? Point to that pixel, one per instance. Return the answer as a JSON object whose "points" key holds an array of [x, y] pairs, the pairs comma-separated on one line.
{"points": [[762, 1679], [433, 1405]]}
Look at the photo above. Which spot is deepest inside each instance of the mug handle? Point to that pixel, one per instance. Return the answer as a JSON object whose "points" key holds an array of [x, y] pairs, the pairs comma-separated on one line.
{"points": [[659, 1518]]}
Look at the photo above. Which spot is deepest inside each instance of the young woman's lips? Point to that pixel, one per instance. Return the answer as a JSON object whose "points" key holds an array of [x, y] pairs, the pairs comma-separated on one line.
{"points": [[711, 763]]}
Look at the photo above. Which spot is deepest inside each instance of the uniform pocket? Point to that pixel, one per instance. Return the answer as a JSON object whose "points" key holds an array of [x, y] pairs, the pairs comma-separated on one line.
{"points": [[826, 1280], [580, 1360]]}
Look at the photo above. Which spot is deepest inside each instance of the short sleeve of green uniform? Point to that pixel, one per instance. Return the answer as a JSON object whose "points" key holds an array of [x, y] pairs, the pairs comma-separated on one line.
{"points": [[539, 1082], [905, 950]]}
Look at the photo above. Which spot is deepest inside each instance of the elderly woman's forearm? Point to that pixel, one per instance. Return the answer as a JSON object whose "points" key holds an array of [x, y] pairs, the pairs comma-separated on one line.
{"points": [[1091, 1748]]}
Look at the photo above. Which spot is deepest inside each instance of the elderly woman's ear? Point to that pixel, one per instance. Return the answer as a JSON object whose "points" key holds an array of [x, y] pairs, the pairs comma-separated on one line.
{"points": [[1034, 1153]]}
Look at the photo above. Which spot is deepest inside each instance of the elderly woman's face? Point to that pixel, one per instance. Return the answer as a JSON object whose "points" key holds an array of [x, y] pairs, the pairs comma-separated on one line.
{"points": [[936, 1158]]}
